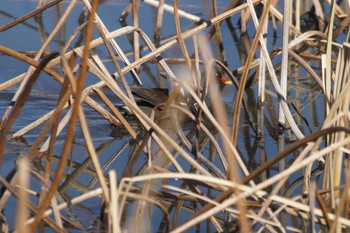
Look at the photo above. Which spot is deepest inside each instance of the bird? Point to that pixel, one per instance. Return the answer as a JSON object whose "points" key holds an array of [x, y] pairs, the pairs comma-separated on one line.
{"points": [[152, 102], [154, 98]]}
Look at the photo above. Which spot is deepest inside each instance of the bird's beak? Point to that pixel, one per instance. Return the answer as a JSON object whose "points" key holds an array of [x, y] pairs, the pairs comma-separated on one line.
{"points": [[226, 80]]}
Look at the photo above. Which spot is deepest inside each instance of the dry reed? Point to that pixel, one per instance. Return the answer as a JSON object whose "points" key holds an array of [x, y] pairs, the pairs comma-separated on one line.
{"points": [[184, 162]]}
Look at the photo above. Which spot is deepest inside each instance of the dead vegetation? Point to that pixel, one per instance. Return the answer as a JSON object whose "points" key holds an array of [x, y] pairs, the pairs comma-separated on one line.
{"points": [[184, 166]]}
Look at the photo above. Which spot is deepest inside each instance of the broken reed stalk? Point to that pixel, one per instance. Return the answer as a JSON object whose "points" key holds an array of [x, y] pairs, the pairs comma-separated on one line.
{"points": [[9, 187], [114, 44], [93, 156], [244, 77], [170, 9], [85, 196], [262, 65], [218, 35], [29, 15], [335, 161], [135, 20], [116, 112], [114, 216], [52, 125], [71, 128], [292, 170], [344, 200], [23, 182], [159, 21], [32, 62], [63, 97], [18, 105], [269, 163], [220, 113], [180, 37], [115, 61], [87, 99], [38, 55], [284, 63]]}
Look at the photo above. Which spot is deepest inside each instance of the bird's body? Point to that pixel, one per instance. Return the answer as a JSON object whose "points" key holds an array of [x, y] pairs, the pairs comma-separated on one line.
{"points": [[153, 100]]}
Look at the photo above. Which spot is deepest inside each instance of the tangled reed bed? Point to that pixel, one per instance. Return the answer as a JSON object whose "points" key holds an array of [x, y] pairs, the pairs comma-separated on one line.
{"points": [[180, 165]]}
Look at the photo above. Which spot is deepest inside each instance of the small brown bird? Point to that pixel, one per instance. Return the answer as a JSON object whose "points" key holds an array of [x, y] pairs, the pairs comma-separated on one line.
{"points": [[152, 97]]}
